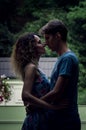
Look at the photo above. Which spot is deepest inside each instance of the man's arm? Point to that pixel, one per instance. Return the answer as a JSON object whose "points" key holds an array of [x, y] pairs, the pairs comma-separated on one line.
{"points": [[55, 95]]}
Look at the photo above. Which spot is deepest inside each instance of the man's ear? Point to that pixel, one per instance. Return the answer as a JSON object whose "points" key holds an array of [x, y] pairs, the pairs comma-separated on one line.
{"points": [[58, 35]]}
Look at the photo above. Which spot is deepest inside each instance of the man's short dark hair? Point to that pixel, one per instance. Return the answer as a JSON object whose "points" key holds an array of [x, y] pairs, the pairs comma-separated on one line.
{"points": [[54, 26]]}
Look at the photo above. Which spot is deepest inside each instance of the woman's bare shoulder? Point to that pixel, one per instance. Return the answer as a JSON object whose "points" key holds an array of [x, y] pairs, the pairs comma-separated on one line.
{"points": [[30, 67]]}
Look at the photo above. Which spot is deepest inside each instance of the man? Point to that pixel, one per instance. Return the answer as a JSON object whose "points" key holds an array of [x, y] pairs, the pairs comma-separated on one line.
{"points": [[64, 78]]}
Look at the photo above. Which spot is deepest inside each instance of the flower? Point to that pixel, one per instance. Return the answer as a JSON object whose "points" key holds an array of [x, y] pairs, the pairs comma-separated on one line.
{"points": [[5, 89]]}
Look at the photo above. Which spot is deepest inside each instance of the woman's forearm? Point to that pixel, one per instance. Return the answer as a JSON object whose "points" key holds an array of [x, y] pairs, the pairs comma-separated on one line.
{"points": [[36, 102]]}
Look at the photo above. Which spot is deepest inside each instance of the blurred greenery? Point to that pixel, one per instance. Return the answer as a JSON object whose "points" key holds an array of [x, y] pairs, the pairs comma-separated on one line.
{"points": [[82, 96], [17, 17], [6, 41]]}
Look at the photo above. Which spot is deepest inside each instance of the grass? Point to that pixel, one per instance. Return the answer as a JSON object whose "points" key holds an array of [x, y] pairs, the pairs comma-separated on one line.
{"points": [[82, 96], [82, 111]]}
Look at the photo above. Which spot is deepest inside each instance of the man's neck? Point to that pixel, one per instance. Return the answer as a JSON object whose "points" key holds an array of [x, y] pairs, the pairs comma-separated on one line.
{"points": [[63, 49]]}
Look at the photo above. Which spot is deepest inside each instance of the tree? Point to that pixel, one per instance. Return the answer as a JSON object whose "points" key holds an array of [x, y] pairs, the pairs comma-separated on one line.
{"points": [[77, 26], [6, 41]]}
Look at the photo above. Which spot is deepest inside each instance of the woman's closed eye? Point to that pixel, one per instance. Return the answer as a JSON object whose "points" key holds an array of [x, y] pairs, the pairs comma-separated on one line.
{"points": [[39, 42]]}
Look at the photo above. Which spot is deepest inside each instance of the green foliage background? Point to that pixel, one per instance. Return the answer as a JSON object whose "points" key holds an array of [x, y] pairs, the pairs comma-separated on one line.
{"points": [[17, 17]]}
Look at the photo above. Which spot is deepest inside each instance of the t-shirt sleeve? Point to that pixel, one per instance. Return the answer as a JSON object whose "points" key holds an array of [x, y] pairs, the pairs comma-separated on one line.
{"points": [[66, 66]]}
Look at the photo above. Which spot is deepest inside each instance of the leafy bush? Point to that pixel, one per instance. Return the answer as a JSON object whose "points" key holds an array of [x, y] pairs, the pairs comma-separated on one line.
{"points": [[5, 89], [77, 22], [77, 36], [6, 41]]}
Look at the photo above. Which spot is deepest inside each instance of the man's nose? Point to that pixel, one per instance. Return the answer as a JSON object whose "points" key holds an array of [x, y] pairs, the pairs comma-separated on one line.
{"points": [[44, 44]]}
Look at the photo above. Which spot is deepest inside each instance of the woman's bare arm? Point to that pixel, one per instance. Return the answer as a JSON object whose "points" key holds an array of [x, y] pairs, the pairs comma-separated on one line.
{"points": [[27, 96]]}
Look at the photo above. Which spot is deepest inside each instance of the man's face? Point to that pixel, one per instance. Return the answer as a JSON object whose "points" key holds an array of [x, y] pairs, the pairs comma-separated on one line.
{"points": [[51, 41]]}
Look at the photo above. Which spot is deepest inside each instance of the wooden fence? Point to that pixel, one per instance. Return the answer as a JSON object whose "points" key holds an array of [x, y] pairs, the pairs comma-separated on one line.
{"points": [[46, 64]]}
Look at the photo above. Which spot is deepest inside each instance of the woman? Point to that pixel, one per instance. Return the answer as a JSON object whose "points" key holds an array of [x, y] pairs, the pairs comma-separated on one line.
{"points": [[25, 56]]}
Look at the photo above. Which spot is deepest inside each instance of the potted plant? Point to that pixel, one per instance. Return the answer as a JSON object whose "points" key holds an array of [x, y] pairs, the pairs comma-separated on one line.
{"points": [[5, 89]]}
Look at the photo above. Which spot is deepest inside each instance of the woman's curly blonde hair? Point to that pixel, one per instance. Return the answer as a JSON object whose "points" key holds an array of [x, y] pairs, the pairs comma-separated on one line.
{"points": [[24, 52]]}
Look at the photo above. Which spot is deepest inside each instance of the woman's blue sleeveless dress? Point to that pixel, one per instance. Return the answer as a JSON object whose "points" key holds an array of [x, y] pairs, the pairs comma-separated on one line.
{"points": [[36, 119]]}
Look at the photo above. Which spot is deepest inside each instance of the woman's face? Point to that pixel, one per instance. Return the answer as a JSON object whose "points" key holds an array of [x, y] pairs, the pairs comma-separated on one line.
{"points": [[39, 47]]}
